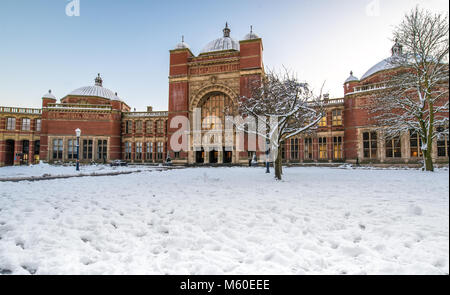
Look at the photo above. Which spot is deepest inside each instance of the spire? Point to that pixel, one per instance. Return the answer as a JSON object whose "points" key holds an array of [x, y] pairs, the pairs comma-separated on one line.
{"points": [[397, 49], [251, 29], [99, 81], [182, 38], [226, 31]]}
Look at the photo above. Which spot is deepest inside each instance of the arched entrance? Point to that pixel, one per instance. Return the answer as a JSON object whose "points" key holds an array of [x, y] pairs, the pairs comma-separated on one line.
{"points": [[214, 107], [9, 153]]}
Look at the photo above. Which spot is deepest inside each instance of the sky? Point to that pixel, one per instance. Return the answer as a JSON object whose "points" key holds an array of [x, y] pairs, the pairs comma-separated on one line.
{"points": [[128, 41]]}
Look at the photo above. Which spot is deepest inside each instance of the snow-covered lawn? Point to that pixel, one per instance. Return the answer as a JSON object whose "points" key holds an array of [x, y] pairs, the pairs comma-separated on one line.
{"points": [[228, 220], [55, 170]]}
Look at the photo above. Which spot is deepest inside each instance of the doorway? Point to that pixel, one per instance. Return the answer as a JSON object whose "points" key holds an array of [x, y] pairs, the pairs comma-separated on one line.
{"points": [[9, 153]]}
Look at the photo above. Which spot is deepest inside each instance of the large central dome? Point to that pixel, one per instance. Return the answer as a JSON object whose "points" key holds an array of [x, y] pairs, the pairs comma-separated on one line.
{"points": [[224, 43], [97, 90]]}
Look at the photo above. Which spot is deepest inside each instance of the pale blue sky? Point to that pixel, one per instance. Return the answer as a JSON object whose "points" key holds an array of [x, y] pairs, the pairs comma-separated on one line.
{"points": [[128, 42]]}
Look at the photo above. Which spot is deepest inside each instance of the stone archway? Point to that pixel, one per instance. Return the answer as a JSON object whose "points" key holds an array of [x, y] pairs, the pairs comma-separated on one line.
{"points": [[216, 101], [197, 99]]}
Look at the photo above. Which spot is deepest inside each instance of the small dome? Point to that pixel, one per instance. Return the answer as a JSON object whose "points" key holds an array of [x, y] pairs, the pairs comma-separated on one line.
{"points": [[182, 44], [49, 95], [224, 43], [351, 78], [251, 35]]}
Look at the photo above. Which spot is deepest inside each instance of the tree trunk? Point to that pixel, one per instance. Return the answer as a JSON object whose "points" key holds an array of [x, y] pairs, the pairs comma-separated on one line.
{"points": [[428, 162], [278, 165], [428, 158]]}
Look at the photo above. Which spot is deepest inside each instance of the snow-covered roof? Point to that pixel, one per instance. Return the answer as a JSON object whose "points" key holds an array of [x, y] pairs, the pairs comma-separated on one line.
{"points": [[385, 64], [351, 78], [223, 43], [95, 91], [49, 95]]}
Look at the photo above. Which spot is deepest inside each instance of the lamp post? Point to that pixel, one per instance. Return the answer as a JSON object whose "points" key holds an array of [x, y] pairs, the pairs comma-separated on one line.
{"points": [[78, 133]]}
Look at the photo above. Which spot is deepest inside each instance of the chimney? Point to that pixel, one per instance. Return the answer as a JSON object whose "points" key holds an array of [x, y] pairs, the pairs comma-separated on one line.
{"points": [[149, 109], [326, 96]]}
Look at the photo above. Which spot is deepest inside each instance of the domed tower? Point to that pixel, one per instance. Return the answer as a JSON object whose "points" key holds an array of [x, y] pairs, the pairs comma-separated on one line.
{"points": [[350, 83], [48, 98], [251, 49], [219, 75]]}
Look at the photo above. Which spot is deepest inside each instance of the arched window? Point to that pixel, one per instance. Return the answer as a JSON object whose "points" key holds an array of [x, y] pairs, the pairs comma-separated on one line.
{"points": [[213, 111]]}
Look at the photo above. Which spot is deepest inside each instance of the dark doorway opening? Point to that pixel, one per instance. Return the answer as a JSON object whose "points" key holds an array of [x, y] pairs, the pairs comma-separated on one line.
{"points": [[213, 157], [227, 156], [37, 148], [200, 156], [9, 153], [25, 151]]}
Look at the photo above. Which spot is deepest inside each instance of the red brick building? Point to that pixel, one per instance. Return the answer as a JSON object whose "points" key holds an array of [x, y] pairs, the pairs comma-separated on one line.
{"points": [[199, 86]]}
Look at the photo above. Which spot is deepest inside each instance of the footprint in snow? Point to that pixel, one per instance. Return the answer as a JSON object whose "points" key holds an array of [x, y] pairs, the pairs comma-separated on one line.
{"points": [[30, 269], [5, 271]]}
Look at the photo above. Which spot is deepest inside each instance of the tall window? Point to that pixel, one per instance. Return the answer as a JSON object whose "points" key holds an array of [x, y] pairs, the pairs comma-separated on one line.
{"points": [[11, 123], [323, 154], [87, 149], [213, 111], [127, 150], [415, 142], [149, 127], [443, 146], [138, 126], [308, 148], [128, 127], [337, 148], [160, 127], [38, 124], [57, 149], [370, 145], [283, 150], [294, 148], [138, 155], [102, 149], [149, 151], [26, 124], [337, 117], [393, 147], [323, 121], [72, 149], [159, 150]]}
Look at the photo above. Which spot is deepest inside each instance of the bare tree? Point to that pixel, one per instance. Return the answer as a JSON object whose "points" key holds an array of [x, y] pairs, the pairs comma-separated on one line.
{"points": [[286, 108], [415, 96]]}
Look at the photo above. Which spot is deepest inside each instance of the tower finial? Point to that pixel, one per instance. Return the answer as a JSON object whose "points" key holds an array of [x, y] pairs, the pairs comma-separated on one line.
{"points": [[226, 31], [251, 29], [99, 81], [397, 49], [351, 73], [182, 39]]}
